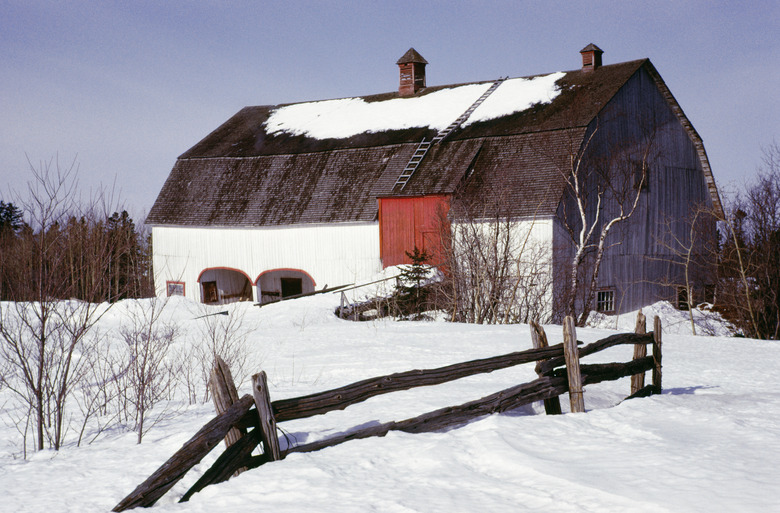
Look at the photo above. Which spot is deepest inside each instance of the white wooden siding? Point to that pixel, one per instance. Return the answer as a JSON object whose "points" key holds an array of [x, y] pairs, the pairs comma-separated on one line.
{"points": [[331, 254]]}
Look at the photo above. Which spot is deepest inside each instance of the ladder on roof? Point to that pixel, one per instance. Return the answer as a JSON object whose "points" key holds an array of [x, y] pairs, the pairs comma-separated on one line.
{"points": [[411, 167], [424, 146], [463, 117]]}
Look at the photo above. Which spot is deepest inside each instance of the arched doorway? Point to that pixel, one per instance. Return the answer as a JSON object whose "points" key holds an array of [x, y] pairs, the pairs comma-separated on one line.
{"points": [[222, 285], [277, 284]]}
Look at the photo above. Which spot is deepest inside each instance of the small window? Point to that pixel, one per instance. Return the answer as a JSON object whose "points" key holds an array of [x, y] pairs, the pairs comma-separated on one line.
{"points": [[175, 288], [291, 286], [605, 301]]}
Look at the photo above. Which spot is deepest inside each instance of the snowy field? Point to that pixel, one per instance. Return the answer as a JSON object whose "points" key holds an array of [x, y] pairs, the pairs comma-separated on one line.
{"points": [[709, 443]]}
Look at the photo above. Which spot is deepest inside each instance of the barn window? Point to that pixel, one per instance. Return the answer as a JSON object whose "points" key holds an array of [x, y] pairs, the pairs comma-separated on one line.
{"points": [[174, 288], [605, 301], [291, 286]]}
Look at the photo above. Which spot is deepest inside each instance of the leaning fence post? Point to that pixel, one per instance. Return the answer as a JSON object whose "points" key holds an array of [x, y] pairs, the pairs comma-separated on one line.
{"points": [[640, 351], [552, 406], [572, 356], [266, 414], [657, 355], [224, 394]]}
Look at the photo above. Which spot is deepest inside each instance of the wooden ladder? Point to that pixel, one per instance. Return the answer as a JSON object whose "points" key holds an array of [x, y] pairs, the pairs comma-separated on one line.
{"points": [[463, 117], [424, 146]]}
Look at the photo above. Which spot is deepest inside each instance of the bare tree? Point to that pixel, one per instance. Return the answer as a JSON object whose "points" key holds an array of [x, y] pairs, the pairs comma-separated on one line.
{"points": [[151, 372], [43, 334], [691, 249], [98, 393], [603, 189], [750, 255]]}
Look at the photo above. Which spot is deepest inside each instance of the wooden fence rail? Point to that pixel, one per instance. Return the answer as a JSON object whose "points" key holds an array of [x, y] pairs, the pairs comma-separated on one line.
{"points": [[553, 381]]}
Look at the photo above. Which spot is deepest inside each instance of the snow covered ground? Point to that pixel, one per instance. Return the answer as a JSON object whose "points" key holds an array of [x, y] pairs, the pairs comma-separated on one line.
{"points": [[709, 443]]}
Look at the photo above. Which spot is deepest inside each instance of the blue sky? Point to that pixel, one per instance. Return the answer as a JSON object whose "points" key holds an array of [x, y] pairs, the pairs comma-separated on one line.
{"points": [[126, 87]]}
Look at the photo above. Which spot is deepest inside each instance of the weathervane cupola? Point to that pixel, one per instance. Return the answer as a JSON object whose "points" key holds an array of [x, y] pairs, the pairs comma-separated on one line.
{"points": [[591, 57], [412, 73]]}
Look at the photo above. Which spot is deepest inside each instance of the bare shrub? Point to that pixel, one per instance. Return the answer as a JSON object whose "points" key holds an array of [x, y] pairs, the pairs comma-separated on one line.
{"points": [[495, 272], [224, 334], [691, 252], [47, 345], [151, 370], [749, 291], [98, 394]]}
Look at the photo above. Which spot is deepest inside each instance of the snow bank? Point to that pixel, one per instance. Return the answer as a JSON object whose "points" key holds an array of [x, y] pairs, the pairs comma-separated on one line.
{"points": [[707, 321], [351, 116]]}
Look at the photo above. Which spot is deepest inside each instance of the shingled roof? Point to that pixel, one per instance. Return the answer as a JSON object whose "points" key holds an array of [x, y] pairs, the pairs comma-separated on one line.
{"points": [[242, 175], [411, 55]]}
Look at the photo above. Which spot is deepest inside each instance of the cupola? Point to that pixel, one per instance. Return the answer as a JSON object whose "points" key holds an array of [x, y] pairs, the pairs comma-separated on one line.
{"points": [[411, 68], [591, 57]]}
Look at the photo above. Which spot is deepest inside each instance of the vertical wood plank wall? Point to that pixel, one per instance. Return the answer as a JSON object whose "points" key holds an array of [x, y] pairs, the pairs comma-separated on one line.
{"points": [[637, 267], [334, 254]]}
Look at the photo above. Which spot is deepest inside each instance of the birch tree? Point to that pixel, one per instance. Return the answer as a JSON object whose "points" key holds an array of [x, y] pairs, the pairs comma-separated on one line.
{"points": [[604, 188]]}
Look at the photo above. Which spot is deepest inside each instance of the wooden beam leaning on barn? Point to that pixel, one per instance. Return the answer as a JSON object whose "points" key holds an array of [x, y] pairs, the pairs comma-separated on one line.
{"points": [[306, 294]]}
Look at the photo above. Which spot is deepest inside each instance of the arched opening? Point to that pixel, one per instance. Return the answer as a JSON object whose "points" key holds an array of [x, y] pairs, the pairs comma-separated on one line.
{"points": [[277, 284], [222, 285]]}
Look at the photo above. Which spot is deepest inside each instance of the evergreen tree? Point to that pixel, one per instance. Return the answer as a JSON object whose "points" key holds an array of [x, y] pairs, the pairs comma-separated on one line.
{"points": [[11, 224], [412, 296], [10, 218]]}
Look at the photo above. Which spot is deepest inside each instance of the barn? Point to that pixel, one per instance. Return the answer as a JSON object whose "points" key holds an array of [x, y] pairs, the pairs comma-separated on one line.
{"points": [[286, 199]]}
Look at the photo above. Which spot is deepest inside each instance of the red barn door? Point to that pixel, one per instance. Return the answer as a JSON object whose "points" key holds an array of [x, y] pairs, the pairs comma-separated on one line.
{"points": [[414, 221]]}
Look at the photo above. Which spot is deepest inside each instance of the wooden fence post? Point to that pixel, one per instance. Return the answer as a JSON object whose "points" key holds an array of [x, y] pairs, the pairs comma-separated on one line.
{"points": [[190, 454], [657, 355], [640, 351], [572, 356], [552, 406], [224, 394], [266, 414]]}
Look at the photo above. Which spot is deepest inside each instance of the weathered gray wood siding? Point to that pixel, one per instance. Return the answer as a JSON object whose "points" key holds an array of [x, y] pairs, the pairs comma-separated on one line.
{"points": [[639, 265]]}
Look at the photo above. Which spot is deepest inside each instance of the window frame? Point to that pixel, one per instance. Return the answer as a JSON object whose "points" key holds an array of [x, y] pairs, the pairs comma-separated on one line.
{"points": [[607, 301], [171, 286]]}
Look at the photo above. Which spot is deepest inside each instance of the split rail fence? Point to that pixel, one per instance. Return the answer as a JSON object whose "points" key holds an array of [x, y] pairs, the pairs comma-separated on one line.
{"points": [[244, 428]]}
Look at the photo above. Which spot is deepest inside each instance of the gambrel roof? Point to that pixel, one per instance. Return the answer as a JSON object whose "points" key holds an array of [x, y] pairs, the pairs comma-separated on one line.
{"points": [[256, 170]]}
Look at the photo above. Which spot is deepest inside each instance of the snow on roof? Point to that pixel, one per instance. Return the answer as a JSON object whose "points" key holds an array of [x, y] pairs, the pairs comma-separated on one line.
{"points": [[337, 119], [516, 95]]}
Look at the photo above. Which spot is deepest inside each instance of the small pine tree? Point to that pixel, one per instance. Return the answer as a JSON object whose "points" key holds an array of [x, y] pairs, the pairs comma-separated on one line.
{"points": [[412, 297]]}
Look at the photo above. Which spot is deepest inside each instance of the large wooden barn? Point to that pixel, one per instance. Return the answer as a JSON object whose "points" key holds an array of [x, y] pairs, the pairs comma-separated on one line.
{"points": [[281, 200]]}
